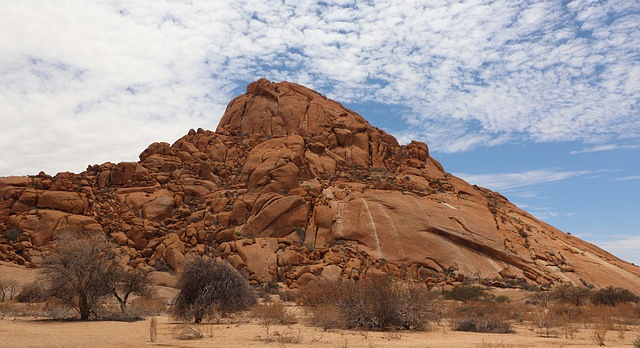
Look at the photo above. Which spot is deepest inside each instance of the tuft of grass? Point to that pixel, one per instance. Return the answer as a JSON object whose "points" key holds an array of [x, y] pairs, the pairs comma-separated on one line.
{"points": [[273, 313], [636, 342], [186, 332]]}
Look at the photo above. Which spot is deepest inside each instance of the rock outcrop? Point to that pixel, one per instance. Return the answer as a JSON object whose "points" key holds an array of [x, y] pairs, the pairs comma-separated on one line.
{"points": [[294, 187]]}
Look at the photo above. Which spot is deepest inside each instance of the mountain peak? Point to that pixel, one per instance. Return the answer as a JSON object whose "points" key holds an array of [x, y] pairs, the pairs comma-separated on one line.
{"points": [[270, 109]]}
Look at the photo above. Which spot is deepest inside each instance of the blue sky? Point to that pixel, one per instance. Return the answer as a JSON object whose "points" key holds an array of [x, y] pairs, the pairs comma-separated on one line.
{"points": [[539, 100]]}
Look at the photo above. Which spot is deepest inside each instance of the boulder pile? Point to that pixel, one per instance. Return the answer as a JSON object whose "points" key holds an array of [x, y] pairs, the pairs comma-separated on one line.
{"points": [[293, 187]]}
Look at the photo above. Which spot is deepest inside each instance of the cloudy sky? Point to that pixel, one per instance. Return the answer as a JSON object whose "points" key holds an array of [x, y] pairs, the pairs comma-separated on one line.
{"points": [[538, 99]]}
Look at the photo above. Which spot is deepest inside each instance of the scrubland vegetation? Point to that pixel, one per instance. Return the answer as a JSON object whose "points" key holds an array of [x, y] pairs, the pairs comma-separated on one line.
{"points": [[82, 279]]}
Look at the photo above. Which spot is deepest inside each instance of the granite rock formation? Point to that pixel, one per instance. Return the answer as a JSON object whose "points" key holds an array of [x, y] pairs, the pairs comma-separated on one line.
{"points": [[294, 187]]}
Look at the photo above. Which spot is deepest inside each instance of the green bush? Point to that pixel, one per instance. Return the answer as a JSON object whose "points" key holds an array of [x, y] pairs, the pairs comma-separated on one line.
{"points": [[466, 293], [571, 294], [611, 296]]}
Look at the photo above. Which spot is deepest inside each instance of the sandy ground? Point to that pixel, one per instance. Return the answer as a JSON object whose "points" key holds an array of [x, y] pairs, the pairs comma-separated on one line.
{"points": [[33, 332]]}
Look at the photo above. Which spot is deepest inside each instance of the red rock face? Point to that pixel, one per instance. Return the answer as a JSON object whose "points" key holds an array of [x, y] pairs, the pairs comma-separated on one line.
{"points": [[293, 187]]}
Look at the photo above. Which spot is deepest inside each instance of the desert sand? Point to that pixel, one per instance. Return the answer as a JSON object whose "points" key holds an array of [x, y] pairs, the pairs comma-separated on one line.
{"points": [[37, 332]]}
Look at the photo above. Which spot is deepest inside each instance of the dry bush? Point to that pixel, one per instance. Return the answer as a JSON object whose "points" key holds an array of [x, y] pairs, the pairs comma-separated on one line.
{"points": [[287, 296], [128, 282], [283, 337], [273, 313], [319, 293], [186, 332], [79, 272], [373, 304], [36, 291], [598, 334], [8, 289], [208, 288], [485, 344], [480, 317], [327, 316]]}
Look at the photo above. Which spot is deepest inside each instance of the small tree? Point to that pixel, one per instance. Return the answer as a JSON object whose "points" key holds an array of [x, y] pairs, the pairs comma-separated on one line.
{"points": [[207, 287], [8, 289], [79, 271], [129, 282]]}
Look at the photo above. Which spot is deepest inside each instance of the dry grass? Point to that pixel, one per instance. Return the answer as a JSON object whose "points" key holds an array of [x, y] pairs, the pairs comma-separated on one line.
{"points": [[379, 304], [273, 313], [288, 335], [598, 334], [186, 332], [480, 317]]}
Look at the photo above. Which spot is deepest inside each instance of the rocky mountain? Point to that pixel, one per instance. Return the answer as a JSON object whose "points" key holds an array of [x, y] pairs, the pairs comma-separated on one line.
{"points": [[292, 187]]}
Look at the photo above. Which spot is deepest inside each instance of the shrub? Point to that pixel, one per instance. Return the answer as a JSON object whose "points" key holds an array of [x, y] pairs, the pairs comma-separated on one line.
{"points": [[11, 234], [480, 317], [373, 304], [8, 289], [611, 296], [186, 332], [35, 291], [128, 282], [207, 288], [571, 294], [465, 293], [79, 271], [598, 335], [273, 313]]}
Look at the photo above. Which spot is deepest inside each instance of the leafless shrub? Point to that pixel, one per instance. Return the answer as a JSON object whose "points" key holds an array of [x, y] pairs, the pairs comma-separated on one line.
{"points": [[207, 287], [283, 337], [480, 317], [373, 304], [598, 334], [273, 313], [186, 332], [36, 291], [128, 282], [486, 344], [79, 271], [327, 316], [8, 289]]}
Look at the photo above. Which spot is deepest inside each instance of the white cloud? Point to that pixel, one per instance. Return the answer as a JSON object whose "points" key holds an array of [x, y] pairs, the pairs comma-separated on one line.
{"points": [[624, 247], [628, 178], [96, 80], [509, 181], [606, 147]]}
